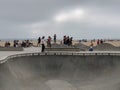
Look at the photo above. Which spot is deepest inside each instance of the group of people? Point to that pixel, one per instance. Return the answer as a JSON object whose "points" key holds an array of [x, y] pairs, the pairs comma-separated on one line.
{"points": [[7, 44], [25, 43], [48, 40], [98, 43], [17, 43], [67, 40], [41, 41]]}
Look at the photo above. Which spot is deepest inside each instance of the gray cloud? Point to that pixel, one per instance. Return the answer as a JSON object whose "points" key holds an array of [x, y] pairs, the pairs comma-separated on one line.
{"points": [[17, 16]]}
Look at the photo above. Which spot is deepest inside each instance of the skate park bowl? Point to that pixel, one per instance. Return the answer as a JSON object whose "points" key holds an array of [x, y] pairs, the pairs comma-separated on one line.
{"points": [[63, 71]]}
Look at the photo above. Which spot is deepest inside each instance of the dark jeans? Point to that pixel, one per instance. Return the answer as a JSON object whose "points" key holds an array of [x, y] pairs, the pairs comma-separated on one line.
{"points": [[43, 48]]}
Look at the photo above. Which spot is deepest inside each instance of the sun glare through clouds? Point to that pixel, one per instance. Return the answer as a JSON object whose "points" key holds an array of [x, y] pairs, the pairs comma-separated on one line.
{"points": [[69, 15]]}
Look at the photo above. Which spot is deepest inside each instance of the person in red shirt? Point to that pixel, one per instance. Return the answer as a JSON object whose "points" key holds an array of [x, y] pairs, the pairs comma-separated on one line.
{"points": [[49, 42]]}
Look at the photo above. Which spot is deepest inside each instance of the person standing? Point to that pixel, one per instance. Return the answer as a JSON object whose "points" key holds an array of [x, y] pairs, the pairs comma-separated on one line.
{"points": [[70, 42], [43, 44], [91, 46], [49, 42], [98, 42], [101, 41], [55, 38], [39, 41]]}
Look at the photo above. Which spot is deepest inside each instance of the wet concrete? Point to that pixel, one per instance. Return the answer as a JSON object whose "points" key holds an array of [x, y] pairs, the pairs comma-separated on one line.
{"points": [[62, 72]]}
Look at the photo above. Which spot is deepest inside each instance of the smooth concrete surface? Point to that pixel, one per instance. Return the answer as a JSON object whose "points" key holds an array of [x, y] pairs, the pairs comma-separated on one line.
{"points": [[61, 72], [11, 48], [5, 54]]}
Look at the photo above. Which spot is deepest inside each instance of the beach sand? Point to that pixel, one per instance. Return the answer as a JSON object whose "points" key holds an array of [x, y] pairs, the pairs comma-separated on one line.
{"points": [[75, 42]]}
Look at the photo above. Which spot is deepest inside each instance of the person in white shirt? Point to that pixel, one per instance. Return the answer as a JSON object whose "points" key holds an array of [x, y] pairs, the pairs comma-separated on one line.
{"points": [[43, 44]]}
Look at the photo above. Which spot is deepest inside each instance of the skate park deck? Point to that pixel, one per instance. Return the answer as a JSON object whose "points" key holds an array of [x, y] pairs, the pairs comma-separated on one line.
{"points": [[84, 70]]}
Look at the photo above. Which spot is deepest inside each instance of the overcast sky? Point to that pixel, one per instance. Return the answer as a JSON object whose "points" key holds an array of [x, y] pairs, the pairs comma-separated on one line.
{"points": [[80, 19]]}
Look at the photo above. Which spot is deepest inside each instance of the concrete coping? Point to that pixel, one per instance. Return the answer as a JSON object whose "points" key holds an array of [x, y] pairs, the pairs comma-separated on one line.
{"points": [[62, 49], [88, 53]]}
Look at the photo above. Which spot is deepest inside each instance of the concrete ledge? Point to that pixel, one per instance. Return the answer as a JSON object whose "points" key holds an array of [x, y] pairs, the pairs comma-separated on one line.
{"points": [[61, 54], [11, 49], [62, 49]]}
